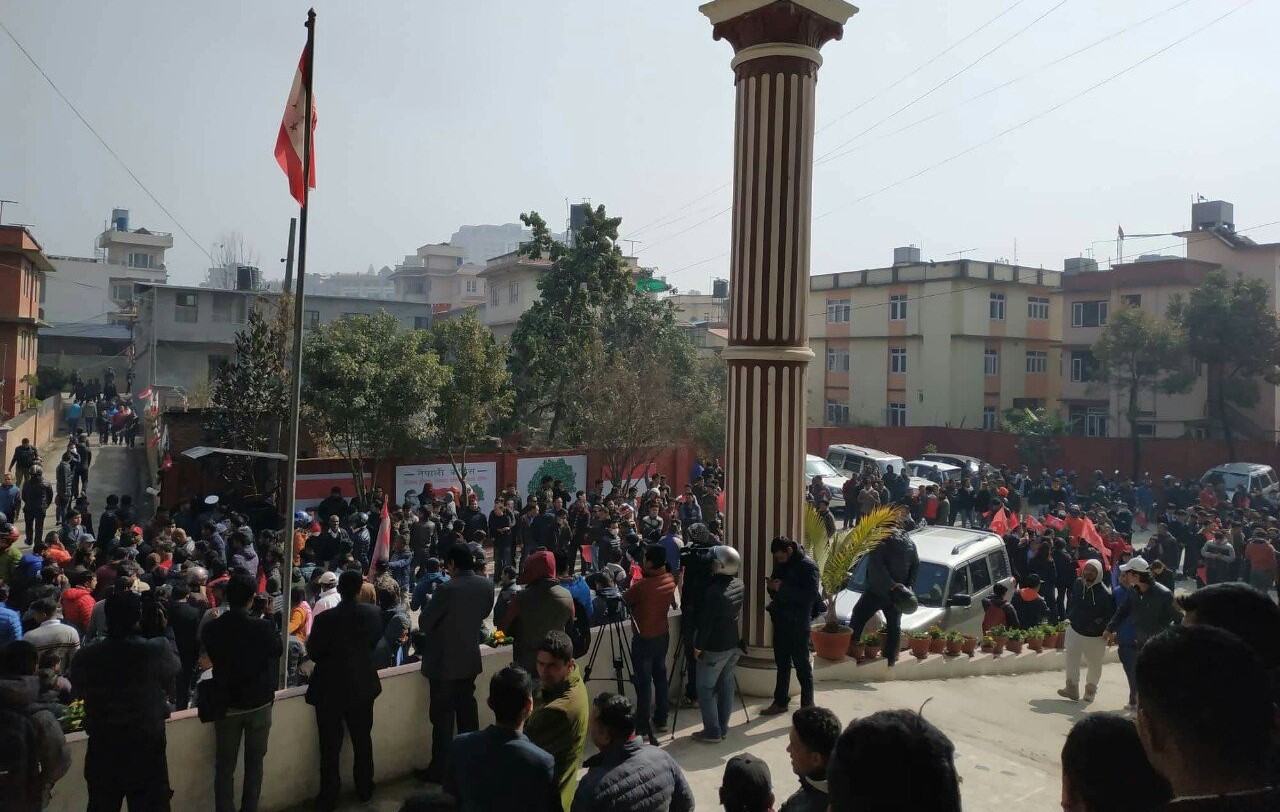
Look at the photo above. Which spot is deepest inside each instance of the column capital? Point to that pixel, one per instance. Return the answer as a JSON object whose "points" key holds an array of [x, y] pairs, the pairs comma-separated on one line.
{"points": [[748, 23]]}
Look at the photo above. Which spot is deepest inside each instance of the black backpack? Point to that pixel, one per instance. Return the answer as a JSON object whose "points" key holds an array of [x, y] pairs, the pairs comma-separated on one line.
{"points": [[579, 630], [20, 784]]}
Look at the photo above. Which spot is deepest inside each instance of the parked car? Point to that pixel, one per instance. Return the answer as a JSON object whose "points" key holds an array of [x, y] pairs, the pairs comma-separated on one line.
{"points": [[958, 568], [973, 465], [939, 472], [833, 479], [852, 458], [1250, 474]]}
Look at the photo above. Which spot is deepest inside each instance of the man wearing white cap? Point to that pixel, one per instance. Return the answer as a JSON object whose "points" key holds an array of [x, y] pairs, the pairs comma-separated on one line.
{"points": [[329, 597], [1150, 606]]}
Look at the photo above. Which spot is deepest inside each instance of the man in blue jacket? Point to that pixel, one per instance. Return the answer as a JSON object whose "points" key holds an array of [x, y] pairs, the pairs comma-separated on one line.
{"points": [[793, 585]]}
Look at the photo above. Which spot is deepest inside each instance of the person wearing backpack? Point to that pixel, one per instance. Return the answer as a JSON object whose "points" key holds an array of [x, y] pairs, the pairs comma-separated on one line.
{"points": [[33, 751], [997, 611]]}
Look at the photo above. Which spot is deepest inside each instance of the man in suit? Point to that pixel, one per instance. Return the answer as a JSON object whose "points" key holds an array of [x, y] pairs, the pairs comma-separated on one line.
{"points": [[498, 767], [344, 686], [451, 623]]}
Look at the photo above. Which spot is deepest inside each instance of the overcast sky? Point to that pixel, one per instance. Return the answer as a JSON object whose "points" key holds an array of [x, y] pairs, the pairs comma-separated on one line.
{"points": [[437, 114]]}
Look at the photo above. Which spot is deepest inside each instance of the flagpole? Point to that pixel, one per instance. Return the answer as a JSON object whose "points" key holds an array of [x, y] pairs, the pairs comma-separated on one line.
{"points": [[295, 397]]}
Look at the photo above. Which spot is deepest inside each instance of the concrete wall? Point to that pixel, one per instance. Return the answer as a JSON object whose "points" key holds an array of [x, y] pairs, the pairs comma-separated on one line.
{"points": [[401, 737]]}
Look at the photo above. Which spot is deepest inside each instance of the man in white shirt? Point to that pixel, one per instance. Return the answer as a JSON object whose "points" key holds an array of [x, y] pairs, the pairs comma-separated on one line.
{"points": [[52, 635], [329, 596]]}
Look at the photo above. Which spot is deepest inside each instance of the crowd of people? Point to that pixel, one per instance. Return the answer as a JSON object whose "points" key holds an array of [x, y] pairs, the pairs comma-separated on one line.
{"points": [[190, 608]]}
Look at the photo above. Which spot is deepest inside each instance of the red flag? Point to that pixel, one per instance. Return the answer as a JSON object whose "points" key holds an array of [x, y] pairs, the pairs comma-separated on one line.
{"points": [[1013, 521], [1090, 534], [1054, 522], [999, 523], [289, 143], [382, 549], [1034, 525]]}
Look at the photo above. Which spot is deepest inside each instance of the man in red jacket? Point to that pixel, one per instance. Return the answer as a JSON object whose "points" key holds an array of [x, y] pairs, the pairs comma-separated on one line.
{"points": [[77, 600], [650, 600]]}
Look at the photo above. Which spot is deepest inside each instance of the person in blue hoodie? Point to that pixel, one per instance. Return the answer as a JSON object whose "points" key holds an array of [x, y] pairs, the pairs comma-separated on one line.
{"points": [[430, 581], [1126, 634]]}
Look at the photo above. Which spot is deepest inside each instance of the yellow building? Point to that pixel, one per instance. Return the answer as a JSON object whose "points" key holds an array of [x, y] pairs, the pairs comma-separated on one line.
{"points": [[933, 344]]}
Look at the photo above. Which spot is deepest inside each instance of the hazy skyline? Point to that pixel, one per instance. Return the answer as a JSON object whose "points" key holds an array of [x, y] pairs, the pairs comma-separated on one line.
{"points": [[433, 116]]}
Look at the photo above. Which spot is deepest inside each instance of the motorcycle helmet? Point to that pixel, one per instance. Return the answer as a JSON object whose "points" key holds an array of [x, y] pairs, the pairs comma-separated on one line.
{"points": [[725, 560]]}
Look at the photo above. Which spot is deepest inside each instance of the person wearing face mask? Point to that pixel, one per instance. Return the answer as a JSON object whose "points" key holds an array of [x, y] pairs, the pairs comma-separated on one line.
{"points": [[1089, 608]]}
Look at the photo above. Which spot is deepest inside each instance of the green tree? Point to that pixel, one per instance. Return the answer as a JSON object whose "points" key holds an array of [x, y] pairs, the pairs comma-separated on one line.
{"points": [[709, 406], [1231, 328], [479, 396], [369, 388], [1137, 353], [1037, 433], [248, 396], [587, 303]]}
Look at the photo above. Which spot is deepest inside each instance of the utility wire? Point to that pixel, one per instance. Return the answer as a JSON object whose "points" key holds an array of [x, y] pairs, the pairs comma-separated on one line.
{"points": [[104, 143]]}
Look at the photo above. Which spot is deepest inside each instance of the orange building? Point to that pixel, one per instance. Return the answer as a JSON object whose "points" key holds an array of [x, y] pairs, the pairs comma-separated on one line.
{"points": [[23, 266]]}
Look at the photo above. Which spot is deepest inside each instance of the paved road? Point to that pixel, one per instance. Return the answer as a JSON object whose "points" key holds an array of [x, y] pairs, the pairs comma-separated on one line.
{"points": [[1008, 733]]}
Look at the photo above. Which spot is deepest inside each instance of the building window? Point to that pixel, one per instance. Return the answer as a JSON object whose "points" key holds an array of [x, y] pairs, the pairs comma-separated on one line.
{"points": [[311, 319], [1037, 361], [1082, 366], [838, 310], [422, 322], [186, 308], [513, 292], [229, 309], [1200, 433], [472, 286], [995, 307], [898, 307], [897, 359], [121, 292], [138, 259], [1095, 422], [990, 363], [1038, 307], [988, 418], [1144, 429], [216, 363], [837, 359], [493, 297], [415, 286], [837, 413], [1132, 299], [897, 414], [1089, 314]]}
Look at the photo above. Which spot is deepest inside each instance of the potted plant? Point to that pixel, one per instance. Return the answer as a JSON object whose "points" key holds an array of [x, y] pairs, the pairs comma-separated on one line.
{"points": [[955, 643], [1035, 638], [937, 640], [1016, 638], [1001, 635], [835, 556], [969, 643], [988, 644], [1062, 635], [1050, 635], [919, 642], [857, 650], [871, 643]]}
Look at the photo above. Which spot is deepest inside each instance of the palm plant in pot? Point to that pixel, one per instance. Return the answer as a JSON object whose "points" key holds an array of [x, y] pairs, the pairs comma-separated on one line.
{"points": [[835, 556]]}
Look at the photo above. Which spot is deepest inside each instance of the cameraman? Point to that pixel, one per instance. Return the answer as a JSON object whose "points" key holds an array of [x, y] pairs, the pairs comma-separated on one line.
{"points": [[695, 565], [650, 600], [794, 588], [717, 645]]}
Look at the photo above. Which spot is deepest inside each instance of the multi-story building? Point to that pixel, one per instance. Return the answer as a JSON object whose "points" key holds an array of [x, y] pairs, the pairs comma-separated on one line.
{"points": [[695, 308], [482, 243], [184, 334], [88, 301], [932, 344], [437, 275], [1089, 298], [368, 285], [512, 282], [23, 273]]}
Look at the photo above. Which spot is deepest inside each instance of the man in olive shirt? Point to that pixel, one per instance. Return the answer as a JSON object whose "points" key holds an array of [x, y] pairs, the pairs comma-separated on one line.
{"points": [[559, 725]]}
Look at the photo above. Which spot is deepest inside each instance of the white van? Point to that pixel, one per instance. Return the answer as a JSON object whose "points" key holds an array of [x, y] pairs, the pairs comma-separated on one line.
{"points": [[1249, 474], [852, 459]]}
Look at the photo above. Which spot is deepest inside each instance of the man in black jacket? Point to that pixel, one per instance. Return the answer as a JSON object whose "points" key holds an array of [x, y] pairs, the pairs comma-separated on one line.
{"points": [[244, 651], [793, 585], [37, 495], [891, 568], [184, 621], [716, 644], [124, 681], [344, 686]]}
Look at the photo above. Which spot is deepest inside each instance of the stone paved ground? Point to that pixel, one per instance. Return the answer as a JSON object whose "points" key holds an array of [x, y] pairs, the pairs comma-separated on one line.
{"points": [[1008, 733]]}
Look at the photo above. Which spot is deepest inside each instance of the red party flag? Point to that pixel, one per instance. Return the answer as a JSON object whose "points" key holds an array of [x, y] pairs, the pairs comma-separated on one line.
{"points": [[999, 523], [1054, 522], [1090, 534], [1034, 525], [289, 143], [382, 549]]}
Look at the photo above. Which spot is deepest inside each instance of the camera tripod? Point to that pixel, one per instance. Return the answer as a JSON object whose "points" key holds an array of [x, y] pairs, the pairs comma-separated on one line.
{"points": [[680, 670], [621, 653]]}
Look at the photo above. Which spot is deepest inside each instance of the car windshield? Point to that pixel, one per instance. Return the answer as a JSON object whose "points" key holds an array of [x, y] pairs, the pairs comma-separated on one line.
{"points": [[920, 469], [819, 467], [931, 582], [1228, 479]]}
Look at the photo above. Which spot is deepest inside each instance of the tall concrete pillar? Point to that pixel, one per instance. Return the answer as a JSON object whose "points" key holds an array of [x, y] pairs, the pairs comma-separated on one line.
{"points": [[775, 68]]}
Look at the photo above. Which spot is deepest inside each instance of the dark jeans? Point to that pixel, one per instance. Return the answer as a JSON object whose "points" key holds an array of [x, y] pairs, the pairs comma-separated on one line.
{"points": [[35, 526], [254, 727], [358, 720], [688, 628], [867, 606], [502, 555], [791, 649], [649, 655], [453, 710], [182, 686], [128, 766], [1058, 604], [1129, 659]]}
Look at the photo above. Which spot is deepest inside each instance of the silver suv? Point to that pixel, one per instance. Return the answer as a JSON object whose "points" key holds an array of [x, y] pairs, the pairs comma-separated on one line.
{"points": [[958, 568]]}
